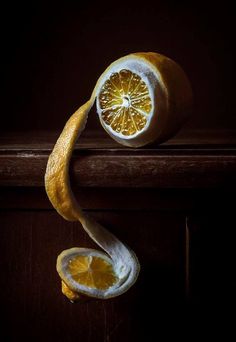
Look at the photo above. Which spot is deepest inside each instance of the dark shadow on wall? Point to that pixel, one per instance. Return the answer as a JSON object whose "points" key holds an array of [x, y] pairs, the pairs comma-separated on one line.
{"points": [[52, 55]]}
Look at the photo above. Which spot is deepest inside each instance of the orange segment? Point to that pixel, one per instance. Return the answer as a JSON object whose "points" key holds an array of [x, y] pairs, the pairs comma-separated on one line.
{"points": [[125, 102], [139, 119], [125, 78], [92, 271], [143, 102]]}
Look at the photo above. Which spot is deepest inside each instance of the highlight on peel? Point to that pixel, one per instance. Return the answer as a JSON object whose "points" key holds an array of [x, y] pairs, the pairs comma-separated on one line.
{"points": [[140, 98]]}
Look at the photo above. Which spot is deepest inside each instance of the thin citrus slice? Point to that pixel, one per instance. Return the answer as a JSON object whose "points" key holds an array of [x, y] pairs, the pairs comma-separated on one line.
{"points": [[140, 98], [93, 273]]}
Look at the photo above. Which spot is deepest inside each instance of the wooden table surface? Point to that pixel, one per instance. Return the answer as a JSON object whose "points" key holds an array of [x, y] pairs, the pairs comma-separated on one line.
{"points": [[171, 203]]}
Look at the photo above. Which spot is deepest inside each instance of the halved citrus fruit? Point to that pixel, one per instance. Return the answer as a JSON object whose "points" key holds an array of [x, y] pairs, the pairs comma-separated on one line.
{"points": [[143, 97], [140, 98]]}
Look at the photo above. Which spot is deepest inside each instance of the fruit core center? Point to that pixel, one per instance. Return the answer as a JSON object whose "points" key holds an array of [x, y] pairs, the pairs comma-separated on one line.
{"points": [[126, 101]]}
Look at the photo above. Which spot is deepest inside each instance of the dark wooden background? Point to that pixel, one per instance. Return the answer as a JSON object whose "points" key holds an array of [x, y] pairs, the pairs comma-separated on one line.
{"points": [[174, 204], [52, 53]]}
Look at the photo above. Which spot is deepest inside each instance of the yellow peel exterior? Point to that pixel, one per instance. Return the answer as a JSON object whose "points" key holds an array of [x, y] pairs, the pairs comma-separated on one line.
{"points": [[57, 182], [71, 295]]}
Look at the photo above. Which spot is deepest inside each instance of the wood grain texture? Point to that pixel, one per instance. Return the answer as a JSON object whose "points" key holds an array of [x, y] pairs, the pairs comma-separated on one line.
{"points": [[32, 301], [212, 283], [98, 138], [119, 199], [95, 165], [212, 257], [144, 197]]}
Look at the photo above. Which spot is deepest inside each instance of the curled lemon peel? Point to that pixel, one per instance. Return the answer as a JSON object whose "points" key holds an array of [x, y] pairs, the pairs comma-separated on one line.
{"points": [[166, 83]]}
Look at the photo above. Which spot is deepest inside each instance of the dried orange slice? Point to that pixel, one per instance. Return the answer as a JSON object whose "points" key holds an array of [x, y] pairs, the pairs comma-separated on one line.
{"points": [[140, 98]]}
